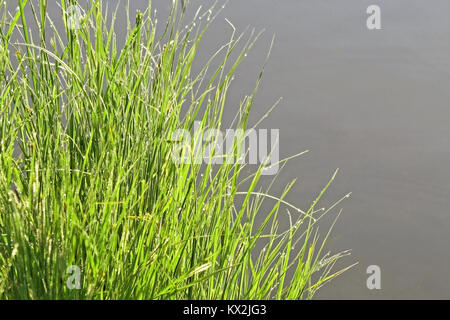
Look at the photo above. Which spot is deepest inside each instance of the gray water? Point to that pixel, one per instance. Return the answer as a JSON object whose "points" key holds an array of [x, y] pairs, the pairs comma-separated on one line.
{"points": [[374, 104]]}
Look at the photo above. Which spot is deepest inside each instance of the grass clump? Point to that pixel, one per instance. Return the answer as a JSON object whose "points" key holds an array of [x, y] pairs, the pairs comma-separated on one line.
{"points": [[87, 180]]}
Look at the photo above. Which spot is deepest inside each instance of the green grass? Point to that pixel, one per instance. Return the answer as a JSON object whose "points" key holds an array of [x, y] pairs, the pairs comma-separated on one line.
{"points": [[94, 184]]}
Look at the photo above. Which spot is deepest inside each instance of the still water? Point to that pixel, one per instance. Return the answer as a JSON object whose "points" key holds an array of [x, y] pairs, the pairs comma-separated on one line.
{"points": [[375, 104]]}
